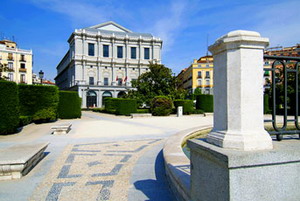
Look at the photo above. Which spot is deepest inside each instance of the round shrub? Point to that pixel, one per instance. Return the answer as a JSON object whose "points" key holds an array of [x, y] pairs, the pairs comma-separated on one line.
{"points": [[187, 105], [38, 101], [205, 103], [69, 105], [9, 107], [161, 106]]}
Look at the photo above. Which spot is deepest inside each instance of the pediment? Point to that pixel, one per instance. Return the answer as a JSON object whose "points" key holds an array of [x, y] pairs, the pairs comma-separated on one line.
{"points": [[111, 26]]}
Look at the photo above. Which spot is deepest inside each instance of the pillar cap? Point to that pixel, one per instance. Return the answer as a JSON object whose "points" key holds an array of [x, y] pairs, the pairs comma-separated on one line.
{"points": [[239, 39]]}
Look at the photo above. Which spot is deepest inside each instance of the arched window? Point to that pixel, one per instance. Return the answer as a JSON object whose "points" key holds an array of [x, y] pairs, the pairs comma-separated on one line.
{"points": [[121, 94], [105, 94], [91, 99]]}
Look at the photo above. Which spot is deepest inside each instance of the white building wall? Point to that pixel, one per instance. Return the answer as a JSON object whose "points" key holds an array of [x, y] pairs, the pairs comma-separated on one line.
{"points": [[111, 67]]}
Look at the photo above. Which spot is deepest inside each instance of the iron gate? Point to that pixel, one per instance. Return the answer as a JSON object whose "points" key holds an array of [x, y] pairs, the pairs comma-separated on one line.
{"points": [[283, 90]]}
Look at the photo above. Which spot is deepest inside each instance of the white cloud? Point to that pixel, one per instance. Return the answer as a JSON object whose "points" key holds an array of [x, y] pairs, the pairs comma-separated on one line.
{"points": [[169, 26], [280, 22], [79, 12]]}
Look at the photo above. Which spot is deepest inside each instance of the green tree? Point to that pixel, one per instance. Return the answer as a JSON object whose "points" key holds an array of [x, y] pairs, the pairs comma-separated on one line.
{"points": [[159, 81]]}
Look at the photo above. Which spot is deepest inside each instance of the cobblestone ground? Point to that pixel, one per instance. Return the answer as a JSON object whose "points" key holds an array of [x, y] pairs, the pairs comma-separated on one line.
{"points": [[93, 171]]}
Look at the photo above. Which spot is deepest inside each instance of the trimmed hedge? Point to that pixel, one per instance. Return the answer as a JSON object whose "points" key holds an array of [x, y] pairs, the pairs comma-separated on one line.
{"points": [[125, 106], [161, 106], [69, 105], [120, 106], [9, 107], [39, 101], [187, 105], [25, 120], [110, 104], [205, 102], [143, 110]]}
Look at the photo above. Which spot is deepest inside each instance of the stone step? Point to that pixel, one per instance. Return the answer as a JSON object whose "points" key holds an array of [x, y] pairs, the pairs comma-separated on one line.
{"points": [[140, 115], [61, 129], [18, 160]]}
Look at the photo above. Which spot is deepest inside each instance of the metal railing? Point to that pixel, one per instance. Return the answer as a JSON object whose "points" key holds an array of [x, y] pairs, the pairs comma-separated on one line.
{"points": [[284, 78]]}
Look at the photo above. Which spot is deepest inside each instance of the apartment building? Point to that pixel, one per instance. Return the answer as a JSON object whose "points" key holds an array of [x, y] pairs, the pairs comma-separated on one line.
{"points": [[198, 75], [19, 62]]}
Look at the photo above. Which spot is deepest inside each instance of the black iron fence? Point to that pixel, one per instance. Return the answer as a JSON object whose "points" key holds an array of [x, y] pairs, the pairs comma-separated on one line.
{"points": [[282, 87]]}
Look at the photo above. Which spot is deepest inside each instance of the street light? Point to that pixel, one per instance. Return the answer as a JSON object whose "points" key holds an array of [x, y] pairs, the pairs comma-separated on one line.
{"points": [[41, 76]]}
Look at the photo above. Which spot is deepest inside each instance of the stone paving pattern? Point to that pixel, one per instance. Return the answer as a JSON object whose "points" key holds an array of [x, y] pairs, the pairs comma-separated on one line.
{"points": [[93, 171], [103, 157]]}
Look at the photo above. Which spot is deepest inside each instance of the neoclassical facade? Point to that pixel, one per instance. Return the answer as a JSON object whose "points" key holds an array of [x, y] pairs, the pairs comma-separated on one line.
{"points": [[103, 60]]}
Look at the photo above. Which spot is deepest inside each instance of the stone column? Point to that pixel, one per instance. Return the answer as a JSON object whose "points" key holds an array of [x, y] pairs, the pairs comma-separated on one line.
{"points": [[238, 92]]}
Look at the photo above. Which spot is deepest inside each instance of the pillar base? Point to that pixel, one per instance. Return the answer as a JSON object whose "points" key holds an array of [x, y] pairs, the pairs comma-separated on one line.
{"points": [[231, 175], [246, 141]]}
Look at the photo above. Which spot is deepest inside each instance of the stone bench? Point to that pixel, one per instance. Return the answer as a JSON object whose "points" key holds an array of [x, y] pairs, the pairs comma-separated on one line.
{"points": [[61, 129], [18, 160], [133, 115]]}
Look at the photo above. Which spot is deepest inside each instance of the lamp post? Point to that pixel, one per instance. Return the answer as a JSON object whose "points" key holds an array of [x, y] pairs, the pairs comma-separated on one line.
{"points": [[41, 76]]}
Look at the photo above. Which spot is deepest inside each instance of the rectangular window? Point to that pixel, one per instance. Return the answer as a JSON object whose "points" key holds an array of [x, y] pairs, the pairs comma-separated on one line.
{"points": [[22, 57], [199, 74], [91, 80], [120, 81], [105, 51], [120, 52], [10, 77], [22, 78], [207, 82], [146, 53], [199, 82], [106, 81], [207, 74], [91, 49], [133, 52], [10, 65], [10, 56], [22, 65]]}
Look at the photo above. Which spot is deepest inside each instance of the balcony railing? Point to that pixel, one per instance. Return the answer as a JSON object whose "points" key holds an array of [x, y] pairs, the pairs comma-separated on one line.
{"points": [[22, 70]]}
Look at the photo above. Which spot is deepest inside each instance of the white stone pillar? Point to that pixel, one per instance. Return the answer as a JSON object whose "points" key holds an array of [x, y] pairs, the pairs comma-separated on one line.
{"points": [[238, 92], [179, 111]]}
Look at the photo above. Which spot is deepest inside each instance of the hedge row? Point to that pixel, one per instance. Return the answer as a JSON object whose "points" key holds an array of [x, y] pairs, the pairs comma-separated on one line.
{"points": [[205, 103], [120, 106], [22, 104], [39, 101], [9, 107], [69, 105], [187, 105]]}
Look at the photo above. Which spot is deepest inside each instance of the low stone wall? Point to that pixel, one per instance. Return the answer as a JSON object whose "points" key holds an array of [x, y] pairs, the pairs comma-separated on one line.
{"points": [[17, 161], [177, 164]]}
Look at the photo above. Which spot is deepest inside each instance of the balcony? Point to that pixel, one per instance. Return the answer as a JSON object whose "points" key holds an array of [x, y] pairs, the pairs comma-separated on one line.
{"points": [[22, 70], [22, 60], [10, 58]]}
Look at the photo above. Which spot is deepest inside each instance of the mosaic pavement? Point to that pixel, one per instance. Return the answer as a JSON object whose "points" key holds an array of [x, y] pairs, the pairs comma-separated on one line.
{"points": [[93, 171]]}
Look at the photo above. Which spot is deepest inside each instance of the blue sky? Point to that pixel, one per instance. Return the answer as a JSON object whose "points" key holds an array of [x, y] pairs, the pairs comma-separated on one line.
{"points": [[45, 25]]}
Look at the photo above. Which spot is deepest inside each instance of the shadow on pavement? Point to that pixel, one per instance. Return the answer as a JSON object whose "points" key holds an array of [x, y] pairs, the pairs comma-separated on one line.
{"points": [[156, 189]]}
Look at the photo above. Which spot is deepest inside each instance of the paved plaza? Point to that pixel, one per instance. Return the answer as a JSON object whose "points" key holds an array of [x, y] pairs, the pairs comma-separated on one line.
{"points": [[104, 157]]}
